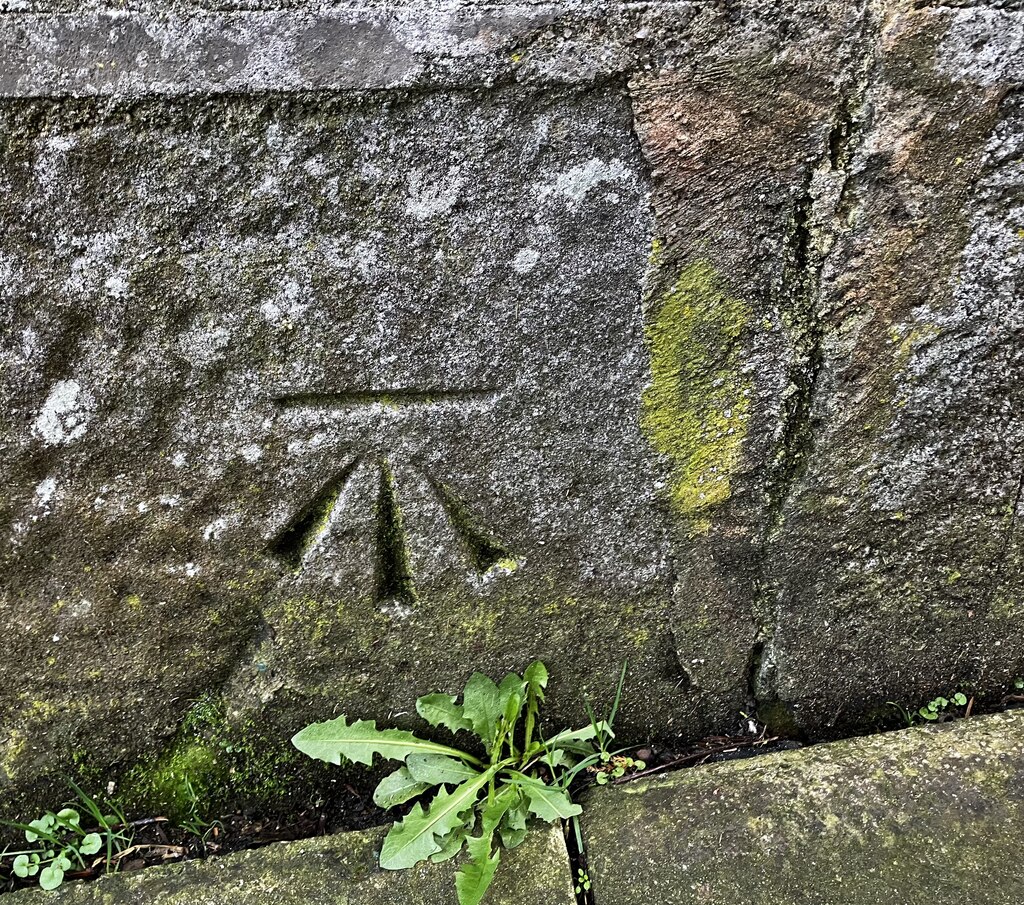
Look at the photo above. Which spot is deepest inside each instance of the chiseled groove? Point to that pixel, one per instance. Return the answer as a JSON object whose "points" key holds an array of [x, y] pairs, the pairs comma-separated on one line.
{"points": [[484, 550], [389, 398], [301, 534], [395, 583]]}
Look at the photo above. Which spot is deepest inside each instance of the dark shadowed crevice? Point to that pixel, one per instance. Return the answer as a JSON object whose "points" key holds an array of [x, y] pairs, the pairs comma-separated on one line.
{"points": [[301, 534], [395, 583], [801, 316], [754, 662], [483, 549], [578, 869], [818, 211]]}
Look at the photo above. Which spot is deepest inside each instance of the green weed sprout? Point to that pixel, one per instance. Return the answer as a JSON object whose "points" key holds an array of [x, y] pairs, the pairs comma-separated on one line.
{"points": [[483, 803], [59, 842]]}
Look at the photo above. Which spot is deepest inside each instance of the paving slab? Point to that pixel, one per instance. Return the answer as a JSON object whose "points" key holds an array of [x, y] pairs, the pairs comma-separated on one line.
{"points": [[329, 870], [926, 816]]}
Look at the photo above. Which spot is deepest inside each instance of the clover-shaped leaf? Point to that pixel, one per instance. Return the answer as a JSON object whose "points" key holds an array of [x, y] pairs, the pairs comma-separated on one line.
{"points": [[40, 828], [69, 817], [26, 866], [52, 876], [91, 844]]}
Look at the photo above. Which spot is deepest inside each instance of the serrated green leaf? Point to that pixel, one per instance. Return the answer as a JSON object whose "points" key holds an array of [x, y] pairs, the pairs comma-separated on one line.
{"points": [[510, 698], [579, 740], [334, 739], [413, 840], [512, 836], [91, 844], [546, 802], [513, 705], [558, 758], [475, 876], [536, 679], [397, 788], [512, 828], [452, 844], [441, 710], [435, 769], [511, 694], [482, 706]]}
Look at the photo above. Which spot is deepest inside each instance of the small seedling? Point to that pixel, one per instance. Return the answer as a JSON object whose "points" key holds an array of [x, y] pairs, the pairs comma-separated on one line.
{"points": [[520, 776], [616, 766], [905, 715], [582, 881], [60, 842], [194, 822], [936, 709]]}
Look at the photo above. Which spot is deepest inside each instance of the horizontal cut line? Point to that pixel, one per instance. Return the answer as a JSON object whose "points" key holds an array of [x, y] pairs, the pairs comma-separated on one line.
{"points": [[395, 398]]}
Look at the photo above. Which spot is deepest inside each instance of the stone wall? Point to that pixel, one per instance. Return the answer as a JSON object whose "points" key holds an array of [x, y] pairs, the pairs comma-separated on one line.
{"points": [[348, 348]]}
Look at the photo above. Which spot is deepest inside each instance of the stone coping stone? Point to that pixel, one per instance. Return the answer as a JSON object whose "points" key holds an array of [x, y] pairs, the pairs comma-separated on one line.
{"points": [[329, 870], [928, 815]]}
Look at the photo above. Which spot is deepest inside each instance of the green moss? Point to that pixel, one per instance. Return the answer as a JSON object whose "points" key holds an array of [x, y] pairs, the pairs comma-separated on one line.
{"points": [[211, 763], [778, 717], [183, 779], [11, 753], [306, 614], [697, 405]]}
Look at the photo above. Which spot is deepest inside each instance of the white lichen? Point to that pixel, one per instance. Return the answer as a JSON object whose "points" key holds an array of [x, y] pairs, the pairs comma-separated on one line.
{"points": [[45, 490], [574, 184], [64, 415], [525, 260]]}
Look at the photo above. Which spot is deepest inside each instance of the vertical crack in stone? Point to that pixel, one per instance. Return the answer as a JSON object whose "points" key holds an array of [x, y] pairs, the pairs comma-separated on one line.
{"points": [[841, 137], [802, 321], [302, 533], [754, 663], [484, 550], [395, 585], [820, 212]]}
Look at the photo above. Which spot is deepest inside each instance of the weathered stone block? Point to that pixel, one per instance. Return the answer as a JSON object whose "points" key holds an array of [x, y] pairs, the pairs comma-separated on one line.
{"points": [[337, 869], [350, 348], [926, 816]]}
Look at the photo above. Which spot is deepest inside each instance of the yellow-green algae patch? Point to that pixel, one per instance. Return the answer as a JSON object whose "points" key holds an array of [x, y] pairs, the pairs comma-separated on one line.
{"points": [[696, 407]]}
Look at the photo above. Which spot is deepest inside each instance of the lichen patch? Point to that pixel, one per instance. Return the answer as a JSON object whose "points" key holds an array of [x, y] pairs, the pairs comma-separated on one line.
{"points": [[696, 408], [64, 415]]}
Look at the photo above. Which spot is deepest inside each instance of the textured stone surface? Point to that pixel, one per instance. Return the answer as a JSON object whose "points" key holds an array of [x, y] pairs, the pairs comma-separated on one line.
{"points": [[348, 348], [338, 869], [327, 395], [929, 816]]}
